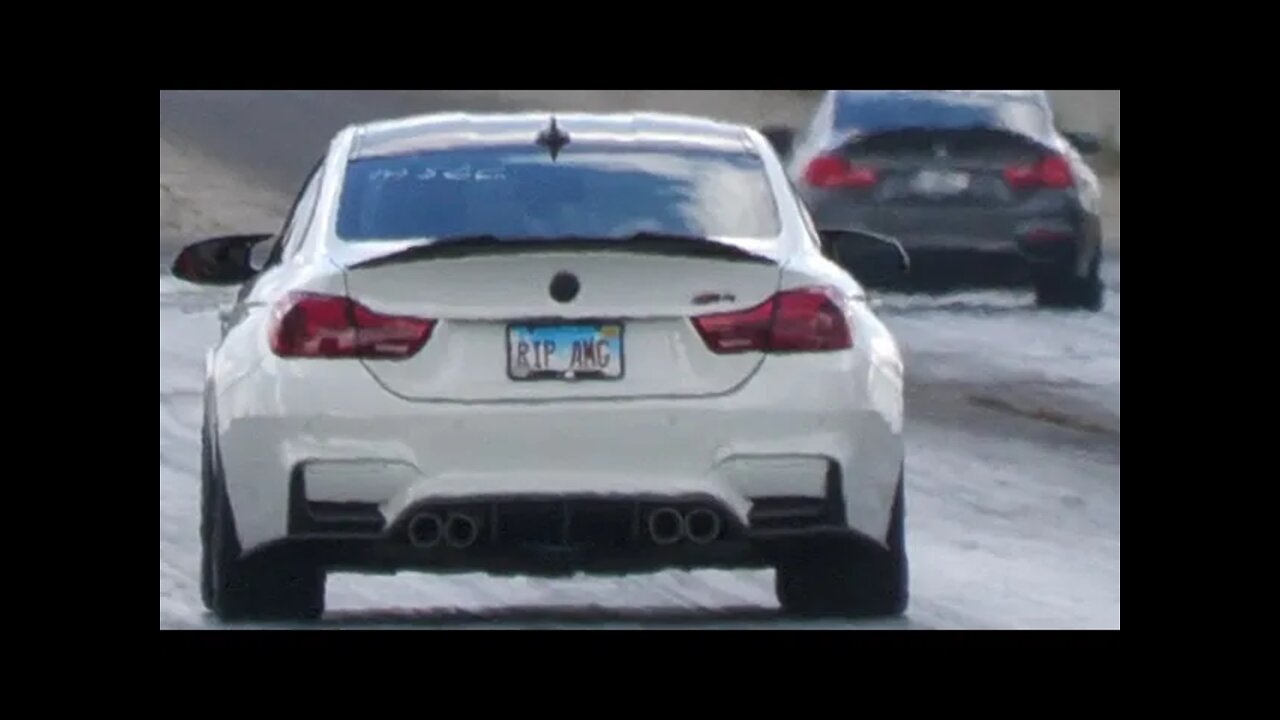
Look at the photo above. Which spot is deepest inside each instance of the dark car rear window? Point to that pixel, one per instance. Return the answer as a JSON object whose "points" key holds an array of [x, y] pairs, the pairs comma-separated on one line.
{"points": [[599, 192], [880, 111]]}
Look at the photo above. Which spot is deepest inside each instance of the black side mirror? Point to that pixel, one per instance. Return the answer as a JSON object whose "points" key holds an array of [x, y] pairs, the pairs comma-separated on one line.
{"points": [[1086, 143], [226, 260], [872, 258], [781, 138]]}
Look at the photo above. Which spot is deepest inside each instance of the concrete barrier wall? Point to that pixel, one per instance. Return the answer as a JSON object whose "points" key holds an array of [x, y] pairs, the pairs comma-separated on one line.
{"points": [[1095, 111]]}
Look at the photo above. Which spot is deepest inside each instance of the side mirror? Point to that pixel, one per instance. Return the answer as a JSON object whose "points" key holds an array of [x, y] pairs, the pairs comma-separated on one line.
{"points": [[1086, 143], [226, 260], [872, 258], [781, 138]]}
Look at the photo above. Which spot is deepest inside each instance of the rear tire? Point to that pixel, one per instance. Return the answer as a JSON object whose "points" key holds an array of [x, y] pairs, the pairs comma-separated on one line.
{"points": [[206, 484], [1070, 292], [264, 587], [852, 578]]}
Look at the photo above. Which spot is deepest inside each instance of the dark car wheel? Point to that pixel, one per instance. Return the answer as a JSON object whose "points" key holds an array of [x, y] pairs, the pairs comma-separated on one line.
{"points": [[263, 587], [1068, 291], [851, 578]]}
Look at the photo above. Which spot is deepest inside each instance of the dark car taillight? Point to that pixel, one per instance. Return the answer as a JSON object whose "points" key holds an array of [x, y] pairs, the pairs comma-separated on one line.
{"points": [[833, 171], [308, 325], [1052, 171], [802, 320]]}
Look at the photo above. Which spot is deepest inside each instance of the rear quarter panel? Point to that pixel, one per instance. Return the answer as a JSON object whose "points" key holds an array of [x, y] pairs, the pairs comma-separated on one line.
{"points": [[878, 447], [244, 382]]}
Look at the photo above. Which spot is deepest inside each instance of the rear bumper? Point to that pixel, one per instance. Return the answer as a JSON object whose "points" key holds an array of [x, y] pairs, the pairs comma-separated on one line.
{"points": [[359, 456], [1015, 251], [567, 535], [380, 556], [940, 269]]}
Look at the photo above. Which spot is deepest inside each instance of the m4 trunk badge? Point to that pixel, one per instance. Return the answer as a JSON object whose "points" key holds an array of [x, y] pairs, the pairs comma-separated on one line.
{"points": [[709, 298]]}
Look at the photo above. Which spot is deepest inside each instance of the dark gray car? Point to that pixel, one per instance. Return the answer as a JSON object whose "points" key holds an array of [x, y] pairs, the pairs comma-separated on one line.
{"points": [[979, 187]]}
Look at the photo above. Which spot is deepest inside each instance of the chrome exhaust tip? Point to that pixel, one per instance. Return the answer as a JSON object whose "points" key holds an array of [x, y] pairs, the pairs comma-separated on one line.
{"points": [[426, 530], [461, 531], [666, 526], [702, 526]]}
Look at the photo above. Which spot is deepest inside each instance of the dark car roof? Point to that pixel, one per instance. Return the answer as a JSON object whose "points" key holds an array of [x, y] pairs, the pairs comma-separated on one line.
{"points": [[1024, 112], [455, 130]]}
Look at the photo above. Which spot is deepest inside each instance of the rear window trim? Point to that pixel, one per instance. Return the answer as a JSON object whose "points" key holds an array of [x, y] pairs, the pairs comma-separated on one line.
{"points": [[778, 234]]}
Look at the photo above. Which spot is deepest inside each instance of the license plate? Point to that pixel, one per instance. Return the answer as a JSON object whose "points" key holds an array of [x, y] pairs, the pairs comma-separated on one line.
{"points": [[940, 182], [570, 351]]}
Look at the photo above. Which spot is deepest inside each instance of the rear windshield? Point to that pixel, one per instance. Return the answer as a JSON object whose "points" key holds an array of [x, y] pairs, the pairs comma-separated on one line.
{"points": [[880, 111], [598, 192]]}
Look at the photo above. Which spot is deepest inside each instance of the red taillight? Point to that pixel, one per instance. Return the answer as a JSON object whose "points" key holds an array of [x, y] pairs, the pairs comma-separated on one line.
{"points": [[803, 320], [307, 325], [830, 171], [1053, 171]]}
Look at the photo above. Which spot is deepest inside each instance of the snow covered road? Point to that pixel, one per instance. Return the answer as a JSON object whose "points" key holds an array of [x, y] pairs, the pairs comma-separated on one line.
{"points": [[1013, 466]]}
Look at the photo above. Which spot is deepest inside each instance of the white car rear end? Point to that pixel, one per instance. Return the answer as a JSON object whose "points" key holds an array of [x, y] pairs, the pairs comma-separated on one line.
{"points": [[671, 375]]}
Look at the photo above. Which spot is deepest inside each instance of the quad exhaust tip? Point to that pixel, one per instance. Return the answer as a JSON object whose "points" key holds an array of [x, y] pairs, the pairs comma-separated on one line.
{"points": [[666, 526], [426, 530], [461, 531], [702, 526]]}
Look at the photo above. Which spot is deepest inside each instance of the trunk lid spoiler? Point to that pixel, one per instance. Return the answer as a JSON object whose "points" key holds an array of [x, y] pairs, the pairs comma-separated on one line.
{"points": [[364, 255]]}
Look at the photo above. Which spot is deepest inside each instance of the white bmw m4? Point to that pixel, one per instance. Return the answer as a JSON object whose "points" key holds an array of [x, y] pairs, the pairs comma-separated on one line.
{"points": [[547, 345]]}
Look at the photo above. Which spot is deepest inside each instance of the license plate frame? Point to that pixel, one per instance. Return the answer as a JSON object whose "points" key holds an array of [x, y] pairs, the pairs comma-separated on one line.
{"points": [[942, 183], [536, 366]]}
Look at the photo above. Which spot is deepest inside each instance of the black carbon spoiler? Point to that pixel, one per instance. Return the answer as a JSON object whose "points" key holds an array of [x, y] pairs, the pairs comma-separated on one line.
{"points": [[852, 138], [641, 243]]}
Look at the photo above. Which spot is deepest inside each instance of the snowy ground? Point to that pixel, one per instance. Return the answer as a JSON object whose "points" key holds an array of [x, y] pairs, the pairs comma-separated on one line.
{"points": [[1013, 450]]}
